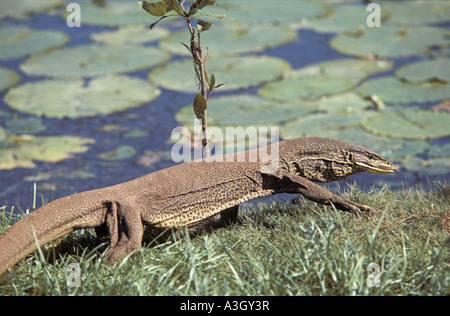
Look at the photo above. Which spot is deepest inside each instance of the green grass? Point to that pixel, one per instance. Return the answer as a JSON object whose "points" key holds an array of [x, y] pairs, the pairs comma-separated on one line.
{"points": [[278, 249]]}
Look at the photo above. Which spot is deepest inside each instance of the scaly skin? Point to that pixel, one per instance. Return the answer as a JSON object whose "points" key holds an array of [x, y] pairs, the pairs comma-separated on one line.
{"points": [[192, 192]]}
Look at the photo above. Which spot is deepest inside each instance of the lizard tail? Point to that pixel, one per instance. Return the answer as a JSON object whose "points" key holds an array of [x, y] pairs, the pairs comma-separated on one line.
{"points": [[48, 223]]}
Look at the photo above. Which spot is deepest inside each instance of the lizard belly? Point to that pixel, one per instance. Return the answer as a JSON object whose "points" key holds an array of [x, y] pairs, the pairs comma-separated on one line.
{"points": [[199, 211]]}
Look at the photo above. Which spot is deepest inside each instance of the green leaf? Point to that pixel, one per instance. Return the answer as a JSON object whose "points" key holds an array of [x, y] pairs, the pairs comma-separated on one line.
{"points": [[428, 70], [158, 8], [120, 153], [174, 6], [20, 9], [390, 89], [93, 60], [200, 106], [20, 41], [212, 82], [306, 88], [130, 35], [203, 26], [200, 4], [390, 42], [79, 98], [23, 150], [412, 125], [8, 78]]}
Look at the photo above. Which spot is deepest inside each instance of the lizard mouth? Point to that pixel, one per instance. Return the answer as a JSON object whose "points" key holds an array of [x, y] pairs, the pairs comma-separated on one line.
{"points": [[383, 169]]}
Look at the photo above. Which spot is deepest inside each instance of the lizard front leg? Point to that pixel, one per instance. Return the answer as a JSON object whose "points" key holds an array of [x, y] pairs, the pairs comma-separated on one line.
{"points": [[125, 229], [285, 182]]}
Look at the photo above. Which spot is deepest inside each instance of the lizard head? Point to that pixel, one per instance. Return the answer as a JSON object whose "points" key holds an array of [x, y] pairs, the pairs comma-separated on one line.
{"points": [[369, 161]]}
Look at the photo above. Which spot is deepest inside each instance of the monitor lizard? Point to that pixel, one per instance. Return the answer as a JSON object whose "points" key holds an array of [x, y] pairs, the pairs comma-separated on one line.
{"points": [[192, 192]]}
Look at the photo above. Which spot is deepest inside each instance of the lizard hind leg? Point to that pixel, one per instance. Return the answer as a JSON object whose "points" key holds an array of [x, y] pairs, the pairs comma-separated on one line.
{"points": [[125, 229]]}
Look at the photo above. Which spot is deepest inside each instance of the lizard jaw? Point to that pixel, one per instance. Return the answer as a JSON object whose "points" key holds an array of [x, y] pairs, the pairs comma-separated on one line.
{"points": [[384, 169]]}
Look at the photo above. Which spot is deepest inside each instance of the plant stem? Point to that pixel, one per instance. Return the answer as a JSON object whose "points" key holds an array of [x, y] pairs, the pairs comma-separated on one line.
{"points": [[199, 67]]}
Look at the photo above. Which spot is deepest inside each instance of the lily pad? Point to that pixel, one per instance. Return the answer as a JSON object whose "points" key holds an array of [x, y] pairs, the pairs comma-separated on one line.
{"points": [[390, 89], [343, 103], [237, 72], [268, 11], [239, 39], [416, 12], [21, 41], [76, 98], [31, 125], [305, 88], [390, 42], [322, 124], [244, 110], [93, 60], [387, 147], [435, 69], [27, 149], [3, 135], [439, 150], [413, 125], [353, 69], [8, 78], [131, 35], [344, 18], [430, 167], [115, 13], [120, 153], [22, 8]]}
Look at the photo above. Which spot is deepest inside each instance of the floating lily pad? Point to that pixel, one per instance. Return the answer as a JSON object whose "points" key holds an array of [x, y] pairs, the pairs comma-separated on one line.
{"points": [[8, 78], [429, 167], [435, 69], [390, 42], [25, 150], [268, 11], [45, 176], [22, 8], [75, 98], [239, 39], [344, 18], [353, 69], [115, 13], [389, 89], [413, 125], [439, 150], [21, 41], [131, 35], [3, 135], [306, 88], [322, 124], [387, 147], [416, 12], [238, 72], [120, 153], [244, 110], [343, 103], [31, 125], [94, 60]]}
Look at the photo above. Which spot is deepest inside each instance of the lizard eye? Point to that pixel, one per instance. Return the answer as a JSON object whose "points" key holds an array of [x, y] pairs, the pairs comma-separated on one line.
{"points": [[350, 157]]}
